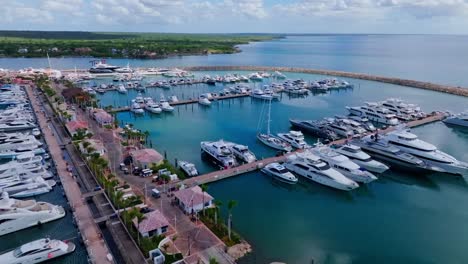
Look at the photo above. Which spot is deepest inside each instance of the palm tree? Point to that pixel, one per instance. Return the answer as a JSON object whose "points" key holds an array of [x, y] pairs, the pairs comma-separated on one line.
{"points": [[204, 188], [231, 205], [139, 216], [213, 261], [217, 205], [146, 133]]}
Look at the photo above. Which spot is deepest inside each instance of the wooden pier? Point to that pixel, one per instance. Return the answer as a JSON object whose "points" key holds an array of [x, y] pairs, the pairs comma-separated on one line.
{"points": [[183, 102], [223, 174]]}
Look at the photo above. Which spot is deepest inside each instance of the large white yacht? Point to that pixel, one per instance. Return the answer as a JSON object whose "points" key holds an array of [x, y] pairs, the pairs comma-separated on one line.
{"points": [[295, 138], [16, 214], [260, 94], [16, 126], [343, 164], [374, 113], [402, 109], [136, 108], [152, 107], [410, 143], [313, 168], [164, 104], [458, 120], [37, 251], [28, 187], [220, 153], [25, 171], [279, 172], [361, 158], [188, 168]]}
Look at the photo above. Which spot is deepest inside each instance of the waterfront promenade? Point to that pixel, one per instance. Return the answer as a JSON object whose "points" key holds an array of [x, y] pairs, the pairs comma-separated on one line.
{"points": [[96, 247], [231, 172]]}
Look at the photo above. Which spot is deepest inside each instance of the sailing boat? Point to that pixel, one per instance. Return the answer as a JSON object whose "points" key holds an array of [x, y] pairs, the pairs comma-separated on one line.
{"points": [[271, 140]]}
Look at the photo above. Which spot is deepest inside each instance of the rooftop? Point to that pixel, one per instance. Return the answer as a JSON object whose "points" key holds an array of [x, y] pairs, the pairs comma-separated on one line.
{"points": [[152, 221], [73, 126], [146, 156], [193, 196]]}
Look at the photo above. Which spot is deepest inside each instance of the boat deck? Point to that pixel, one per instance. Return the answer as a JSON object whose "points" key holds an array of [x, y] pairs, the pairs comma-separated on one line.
{"points": [[231, 172]]}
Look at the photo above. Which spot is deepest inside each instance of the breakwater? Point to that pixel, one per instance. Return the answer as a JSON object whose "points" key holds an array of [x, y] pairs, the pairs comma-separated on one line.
{"points": [[392, 80]]}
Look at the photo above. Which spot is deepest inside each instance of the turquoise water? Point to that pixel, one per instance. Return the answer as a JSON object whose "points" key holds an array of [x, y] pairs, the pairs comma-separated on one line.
{"points": [[400, 218], [436, 58]]}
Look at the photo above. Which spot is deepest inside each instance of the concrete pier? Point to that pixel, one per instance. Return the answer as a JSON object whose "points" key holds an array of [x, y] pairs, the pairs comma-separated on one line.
{"points": [[223, 174]]}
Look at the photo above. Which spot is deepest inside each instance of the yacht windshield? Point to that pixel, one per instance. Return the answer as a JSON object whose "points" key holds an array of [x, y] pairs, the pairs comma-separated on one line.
{"points": [[17, 252], [351, 150]]}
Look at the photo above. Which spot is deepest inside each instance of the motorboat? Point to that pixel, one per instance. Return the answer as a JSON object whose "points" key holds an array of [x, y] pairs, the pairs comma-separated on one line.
{"points": [[242, 153], [343, 164], [374, 113], [164, 104], [153, 107], [37, 251], [271, 140], [203, 100], [279, 75], [389, 154], [27, 188], [401, 109], [295, 138], [121, 89], [220, 153], [22, 160], [102, 67], [364, 123], [280, 173], [313, 168], [458, 120], [187, 167], [17, 215], [410, 143], [126, 69], [356, 155], [339, 128], [353, 125], [16, 126], [29, 170], [315, 128], [273, 94], [259, 94], [136, 108], [255, 77], [139, 99]]}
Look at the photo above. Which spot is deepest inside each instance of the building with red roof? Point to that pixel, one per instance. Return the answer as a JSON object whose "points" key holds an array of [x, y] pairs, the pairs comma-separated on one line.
{"points": [[74, 126], [191, 200], [144, 158], [154, 223]]}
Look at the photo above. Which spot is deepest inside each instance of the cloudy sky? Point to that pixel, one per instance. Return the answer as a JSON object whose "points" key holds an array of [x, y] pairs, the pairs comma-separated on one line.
{"points": [[198, 16]]}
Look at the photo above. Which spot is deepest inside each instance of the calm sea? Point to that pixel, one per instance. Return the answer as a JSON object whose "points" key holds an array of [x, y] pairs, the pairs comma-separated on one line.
{"points": [[436, 58]]}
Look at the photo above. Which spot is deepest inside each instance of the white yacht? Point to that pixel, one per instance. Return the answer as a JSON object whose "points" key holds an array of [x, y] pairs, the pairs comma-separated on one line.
{"points": [[389, 154], [203, 100], [165, 106], [188, 168], [374, 113], [37, 251], [342, 164], [36, 132], [29, 170], [126, 69], [259, 94], [338, 128], [364, 123], [295, 138], [139, 98], [255, 77], [22, 160], [361, 158], [17, 215], [401, 109], [121, 89], [152, 107], [279, 172], [242, 153], [220, 153], [28, 187], [16, 126], [313, 168], [459, 120], [279, 75], [136, 108], [410, 143]]}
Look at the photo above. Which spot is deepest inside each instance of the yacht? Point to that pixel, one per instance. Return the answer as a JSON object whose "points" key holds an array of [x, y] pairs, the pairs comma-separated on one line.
{"points": [[342, 164], [355, 154], [126, 69], [353, 125], [188, 168], [269, 139], [23, 160], [255, 77], [8, 170], [165, 106], [313, 168], [203, 100], [12, 154], [243, 153], [273, 94], [295, 138], [136, 108], [374, 113], [102, 67], [139, 99], [389, 154], [121, 89], [459, 120], [338, 128], [279, 172], [278, 75], [220, 153], [16, 126], [153, 107], [259, 94], [37, 251], [27, 188], [315, 128], [36, 132], [17, 215], [400, 108], [410, 143], [364, 123]]}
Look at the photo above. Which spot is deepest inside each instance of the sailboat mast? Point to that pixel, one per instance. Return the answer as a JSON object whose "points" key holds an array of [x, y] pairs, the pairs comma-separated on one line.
{"points": [[268, 118]]}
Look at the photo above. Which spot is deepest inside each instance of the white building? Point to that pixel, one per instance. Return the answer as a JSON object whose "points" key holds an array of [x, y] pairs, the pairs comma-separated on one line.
{"points": [[191, 200], [154, 223]]}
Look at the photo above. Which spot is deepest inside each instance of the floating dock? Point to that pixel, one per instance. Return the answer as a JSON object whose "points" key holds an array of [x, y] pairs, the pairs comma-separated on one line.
{"points": [[231, 172]]}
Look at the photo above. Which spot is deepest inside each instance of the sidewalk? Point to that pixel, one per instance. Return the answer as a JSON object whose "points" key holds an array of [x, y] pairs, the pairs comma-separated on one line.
{"points": [[95, 245]]}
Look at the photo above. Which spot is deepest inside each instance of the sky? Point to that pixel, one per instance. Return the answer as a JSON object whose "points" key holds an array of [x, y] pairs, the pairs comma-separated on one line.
{"points": [[239, 16]]}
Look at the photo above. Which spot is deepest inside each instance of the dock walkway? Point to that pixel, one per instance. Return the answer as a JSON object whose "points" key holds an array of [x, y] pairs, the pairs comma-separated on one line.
{"points": [[231, 172], [96, 247]]}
